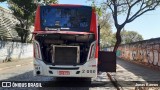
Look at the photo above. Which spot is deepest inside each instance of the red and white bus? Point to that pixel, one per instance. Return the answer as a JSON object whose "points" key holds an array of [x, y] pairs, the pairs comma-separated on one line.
{"points": [[66, 42]]}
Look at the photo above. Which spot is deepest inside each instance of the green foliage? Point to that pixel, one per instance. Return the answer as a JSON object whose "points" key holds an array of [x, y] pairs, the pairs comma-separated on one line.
{"points": [[51, 1], [24, 12], [23, 33], [105, 30], [129, 36], [104, 20], [98, 9], [22, 9], [3, 0], [47, 1]]}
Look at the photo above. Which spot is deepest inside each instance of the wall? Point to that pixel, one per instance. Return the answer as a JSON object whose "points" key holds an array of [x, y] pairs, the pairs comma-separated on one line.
{"points": [[146, 52], [15, 51]]}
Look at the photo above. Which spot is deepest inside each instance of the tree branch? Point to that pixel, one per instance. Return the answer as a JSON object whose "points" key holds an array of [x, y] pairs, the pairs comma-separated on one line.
{"points": [[139, 14], [115, 14], [109, 4], [135, 3]]}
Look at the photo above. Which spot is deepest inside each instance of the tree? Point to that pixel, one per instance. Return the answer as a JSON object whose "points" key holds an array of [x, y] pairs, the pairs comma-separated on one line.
{"points": [[46, 1], [130, 9], [24, 11], [104, 20], [105, 37], [130, 36]]}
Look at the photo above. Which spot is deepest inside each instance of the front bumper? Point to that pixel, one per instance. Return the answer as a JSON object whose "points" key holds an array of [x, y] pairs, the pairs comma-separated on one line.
{"points": [[88, 70]]}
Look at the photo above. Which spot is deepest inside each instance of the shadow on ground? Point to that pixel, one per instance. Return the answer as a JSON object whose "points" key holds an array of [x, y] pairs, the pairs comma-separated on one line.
{"points": [[50, 83]]}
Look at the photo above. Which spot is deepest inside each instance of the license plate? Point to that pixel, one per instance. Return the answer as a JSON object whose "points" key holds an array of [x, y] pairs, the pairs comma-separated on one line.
{"points": [[64, 72]]}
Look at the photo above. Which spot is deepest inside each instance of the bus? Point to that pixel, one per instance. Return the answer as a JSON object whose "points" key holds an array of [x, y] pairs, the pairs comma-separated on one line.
{"points": [[66, 42]]}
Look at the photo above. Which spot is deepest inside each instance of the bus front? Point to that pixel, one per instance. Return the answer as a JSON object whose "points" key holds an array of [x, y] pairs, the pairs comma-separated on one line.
{"points": [[65, 41]]}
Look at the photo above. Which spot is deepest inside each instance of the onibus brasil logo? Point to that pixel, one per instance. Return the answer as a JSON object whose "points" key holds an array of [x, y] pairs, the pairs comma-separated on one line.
{"points": [[21, 84]]}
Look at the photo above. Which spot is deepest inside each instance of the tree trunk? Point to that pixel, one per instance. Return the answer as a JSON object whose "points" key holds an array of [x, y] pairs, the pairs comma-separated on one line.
{"points": [[26, 31], [118, 38], [21, 38]]}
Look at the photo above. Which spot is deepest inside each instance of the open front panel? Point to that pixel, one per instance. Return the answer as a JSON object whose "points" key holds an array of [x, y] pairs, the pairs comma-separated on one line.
{"points": [[107, 61], [65, 55], [48, 41]]}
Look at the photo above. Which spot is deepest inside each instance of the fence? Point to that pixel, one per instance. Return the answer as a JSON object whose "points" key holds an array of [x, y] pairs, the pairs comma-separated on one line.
{"points": [[146, 52], [15, 51]]}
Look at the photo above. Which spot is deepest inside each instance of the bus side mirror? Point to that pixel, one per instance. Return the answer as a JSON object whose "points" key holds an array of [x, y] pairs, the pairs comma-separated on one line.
{"points": [[106, 60]]}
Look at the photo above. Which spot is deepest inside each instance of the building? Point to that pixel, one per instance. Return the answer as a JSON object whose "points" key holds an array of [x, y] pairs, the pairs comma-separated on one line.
{"points": [[7, 24]]}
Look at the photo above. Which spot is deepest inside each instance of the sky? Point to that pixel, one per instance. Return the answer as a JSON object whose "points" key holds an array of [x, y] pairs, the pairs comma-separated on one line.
{"points": [[148, 25]]}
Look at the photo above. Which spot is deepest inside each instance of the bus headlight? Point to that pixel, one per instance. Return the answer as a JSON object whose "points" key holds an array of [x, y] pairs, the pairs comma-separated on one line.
{"points": [[92, 51], [37, 53]]}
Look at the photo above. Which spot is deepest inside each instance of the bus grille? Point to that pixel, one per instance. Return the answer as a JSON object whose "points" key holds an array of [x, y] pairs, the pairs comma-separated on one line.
{"points": [[65, 55]]}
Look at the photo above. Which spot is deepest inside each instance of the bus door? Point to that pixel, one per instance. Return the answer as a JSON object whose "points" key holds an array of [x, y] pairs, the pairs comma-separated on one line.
{"points": [[106, 61]]}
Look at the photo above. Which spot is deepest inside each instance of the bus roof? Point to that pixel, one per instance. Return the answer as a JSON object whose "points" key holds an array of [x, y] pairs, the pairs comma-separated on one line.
{"points": [[68, 5]]}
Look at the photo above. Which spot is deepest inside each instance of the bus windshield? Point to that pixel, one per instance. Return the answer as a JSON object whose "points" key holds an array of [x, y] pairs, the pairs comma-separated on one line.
{"points": [[66, 18]]}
